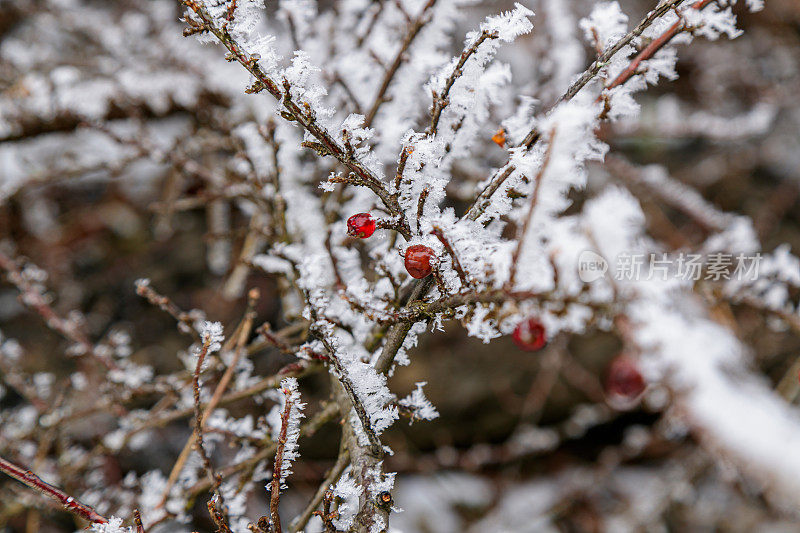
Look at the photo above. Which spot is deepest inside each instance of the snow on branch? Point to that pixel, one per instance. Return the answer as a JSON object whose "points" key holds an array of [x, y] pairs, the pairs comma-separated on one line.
{"points": [[336, 158]]}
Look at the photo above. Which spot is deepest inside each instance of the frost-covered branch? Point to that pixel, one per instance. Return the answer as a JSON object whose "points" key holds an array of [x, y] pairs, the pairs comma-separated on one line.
{"points": [[413, 30], [300, 112], [369, 250], [287, 447], [663, 7], [211, 338], [654, 46]]}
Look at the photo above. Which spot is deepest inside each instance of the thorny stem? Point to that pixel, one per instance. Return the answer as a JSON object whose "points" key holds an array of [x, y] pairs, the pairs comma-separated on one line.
{"points": [[35, 482]]}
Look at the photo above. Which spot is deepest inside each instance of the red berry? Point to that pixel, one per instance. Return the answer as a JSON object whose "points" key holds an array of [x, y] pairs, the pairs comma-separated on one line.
{"points": [[418, 261], [361, 225], [529, 335], [624, 383]]}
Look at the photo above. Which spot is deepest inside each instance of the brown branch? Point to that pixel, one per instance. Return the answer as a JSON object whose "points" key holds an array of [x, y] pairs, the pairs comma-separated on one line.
{"points": [[275, 486], [241, 338], [278, 201], [423, 197], [692, 204], [401, 167], [365, 461], [35, 482], [389, 75], [397, 333], [294, 370], [448, 304], [654, 46], [33, 298], [144, 290], [347, 384], [218, 518], [441, 100], [214, 478], [605, 57], [378, 9], [462, 274]]}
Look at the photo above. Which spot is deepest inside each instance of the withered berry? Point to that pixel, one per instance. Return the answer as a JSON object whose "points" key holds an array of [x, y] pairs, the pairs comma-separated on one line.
{"points": [[624, 382]]}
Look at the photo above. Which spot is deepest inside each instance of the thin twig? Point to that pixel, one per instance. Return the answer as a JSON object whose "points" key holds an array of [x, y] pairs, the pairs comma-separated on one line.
{"points": [[347, 384], [35, 482], [332, 477], [603, 59], [164, 303], [462, 274], [218, 518], [328, 413], [523, 231], [241, 338], [654, 46], [213, 477], [275, 486], [389, 75], [33, 298], [483, 200], [440, 100]]}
